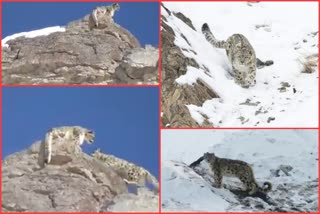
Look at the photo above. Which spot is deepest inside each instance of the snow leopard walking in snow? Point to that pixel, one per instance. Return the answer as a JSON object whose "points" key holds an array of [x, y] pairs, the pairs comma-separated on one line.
{"points": [[234, 168], [240, 54]]}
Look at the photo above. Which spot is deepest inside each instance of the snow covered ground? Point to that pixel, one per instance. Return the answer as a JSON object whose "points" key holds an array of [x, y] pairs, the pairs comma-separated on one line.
{"points": [[284, 32], [32, 34], [265, 150]]}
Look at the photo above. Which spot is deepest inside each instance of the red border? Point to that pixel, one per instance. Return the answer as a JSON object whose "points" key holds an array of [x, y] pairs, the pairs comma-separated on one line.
{"points": [[97, 1], [1, 142], [252, 128], [1, 104], [318, 70], [236, 1], [81, 85], [159, 98], [318, 171], [257, 128]]}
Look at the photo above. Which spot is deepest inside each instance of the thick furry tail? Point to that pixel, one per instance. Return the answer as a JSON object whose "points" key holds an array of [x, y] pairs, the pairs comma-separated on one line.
{"points": [[153, 181], [94, 15], [267, 187], [261, 64], [210, 38], [196, 163]]}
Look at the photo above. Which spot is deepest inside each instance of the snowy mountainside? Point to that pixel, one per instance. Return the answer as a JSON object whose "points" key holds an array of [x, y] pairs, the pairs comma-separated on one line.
{"points": [[31, 34], [283, 32], [286, 158]]}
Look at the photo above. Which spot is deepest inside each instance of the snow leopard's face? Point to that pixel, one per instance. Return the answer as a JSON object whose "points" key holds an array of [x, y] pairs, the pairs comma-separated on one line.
{"points": [[209, 156], [89, 136], [243, 58]]}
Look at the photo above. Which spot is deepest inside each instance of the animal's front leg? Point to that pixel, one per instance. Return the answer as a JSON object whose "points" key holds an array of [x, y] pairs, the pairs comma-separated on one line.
{"points": [[48, 142], [237, 76], [217, 179]]}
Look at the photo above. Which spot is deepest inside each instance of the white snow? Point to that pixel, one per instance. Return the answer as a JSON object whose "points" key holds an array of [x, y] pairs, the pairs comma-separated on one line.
{"points": [[288, 24], [32, 34], [184, 190]]}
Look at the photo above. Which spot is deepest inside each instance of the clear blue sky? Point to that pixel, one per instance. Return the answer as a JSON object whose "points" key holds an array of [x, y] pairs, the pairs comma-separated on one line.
{"points": [[140, 18], [125, 120]]}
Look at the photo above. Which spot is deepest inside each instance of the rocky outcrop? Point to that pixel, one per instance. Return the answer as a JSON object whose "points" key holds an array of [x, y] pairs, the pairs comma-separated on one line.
{"points": [[83, 54], [69, 183], [175, 97], [139, 65], [135, 203]]}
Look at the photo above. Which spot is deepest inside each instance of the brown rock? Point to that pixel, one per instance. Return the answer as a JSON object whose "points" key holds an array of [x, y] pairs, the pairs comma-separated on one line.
{"points": [[175, 97], [69, 183], [80, 55]]}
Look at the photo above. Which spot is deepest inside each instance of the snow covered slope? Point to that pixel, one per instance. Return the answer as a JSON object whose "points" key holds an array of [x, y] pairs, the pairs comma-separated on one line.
{"points": [[278, 31], [41, 32], [288, 159]]}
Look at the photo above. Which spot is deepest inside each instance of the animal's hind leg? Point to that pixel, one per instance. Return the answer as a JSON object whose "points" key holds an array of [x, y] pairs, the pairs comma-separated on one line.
{"points": [[251, 187]]}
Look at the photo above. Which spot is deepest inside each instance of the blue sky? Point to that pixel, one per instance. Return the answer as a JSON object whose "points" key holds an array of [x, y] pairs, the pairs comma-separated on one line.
{"points": [[124, 119], [140, 18]]}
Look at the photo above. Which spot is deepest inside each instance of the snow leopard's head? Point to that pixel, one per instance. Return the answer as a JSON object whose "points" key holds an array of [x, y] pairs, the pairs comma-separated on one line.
{"points": [[89, 135], [209, 157]]}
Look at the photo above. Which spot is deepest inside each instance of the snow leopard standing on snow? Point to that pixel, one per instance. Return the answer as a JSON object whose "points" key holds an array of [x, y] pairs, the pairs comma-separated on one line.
{"points": [[223, 167], [240, 54]]}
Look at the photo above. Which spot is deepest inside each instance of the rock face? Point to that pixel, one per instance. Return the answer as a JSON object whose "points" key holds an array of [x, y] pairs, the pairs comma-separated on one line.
{"points": [[83, 54], [139, 65], [175, 97], [134, 203], [68, 184]]}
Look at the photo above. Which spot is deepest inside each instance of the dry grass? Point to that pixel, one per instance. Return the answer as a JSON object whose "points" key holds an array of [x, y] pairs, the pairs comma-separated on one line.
{"points": [[309, 63]]}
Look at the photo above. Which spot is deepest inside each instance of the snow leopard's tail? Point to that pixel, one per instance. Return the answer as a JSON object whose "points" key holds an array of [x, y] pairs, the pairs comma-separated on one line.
{"points": [[94, 16], [210, 38], [267, 186], [153, 181]]}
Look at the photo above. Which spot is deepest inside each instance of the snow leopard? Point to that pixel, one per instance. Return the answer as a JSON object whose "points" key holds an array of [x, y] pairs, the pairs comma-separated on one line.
{"points": [[240, 54], [104, 11], [73, 136], [131, 173], [234, 168]]}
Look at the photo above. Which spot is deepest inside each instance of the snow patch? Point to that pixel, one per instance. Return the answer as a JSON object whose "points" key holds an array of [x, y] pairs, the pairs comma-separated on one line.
{"points": [[32, 34]]}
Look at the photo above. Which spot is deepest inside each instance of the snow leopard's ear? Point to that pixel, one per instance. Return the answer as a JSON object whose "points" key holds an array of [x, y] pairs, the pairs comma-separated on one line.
{"points": [[205, 155], [116, 6], [89, 135]]}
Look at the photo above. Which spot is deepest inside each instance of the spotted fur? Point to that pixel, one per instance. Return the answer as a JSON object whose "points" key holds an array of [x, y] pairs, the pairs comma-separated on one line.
{"points": [[102, 11], [74, 136], [234, 168], [240, 54], [131, 173]]}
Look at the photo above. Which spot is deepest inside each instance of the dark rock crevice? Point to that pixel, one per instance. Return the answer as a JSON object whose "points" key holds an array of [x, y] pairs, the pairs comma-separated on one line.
{"points": [[175, 97]]}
